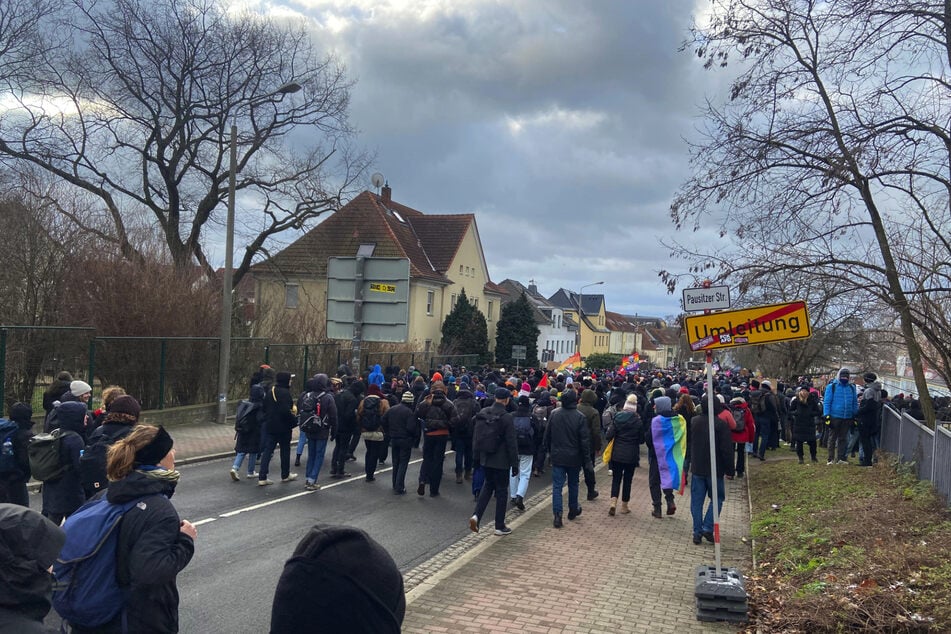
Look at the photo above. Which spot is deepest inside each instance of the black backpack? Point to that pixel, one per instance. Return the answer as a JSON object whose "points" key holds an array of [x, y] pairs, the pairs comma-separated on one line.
{"points": [[371, 419], [312, 420], [487, 434], [524, 432], [92, 462], [739, 419], [757, 404], [247, 419], [8, 459]]}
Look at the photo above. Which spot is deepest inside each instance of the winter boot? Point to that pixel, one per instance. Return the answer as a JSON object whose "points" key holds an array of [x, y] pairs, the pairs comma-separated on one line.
{"points": [[468, 474], [557, 522], [671, 506], [613, 508], [297, 461], [458, 477], [624, 508], [656, 511]]}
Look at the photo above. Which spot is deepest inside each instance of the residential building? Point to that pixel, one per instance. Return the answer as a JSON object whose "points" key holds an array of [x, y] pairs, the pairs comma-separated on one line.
{"points": [[557, 333], [661, 345], [593, 336], [625, 337], [444, 252]]}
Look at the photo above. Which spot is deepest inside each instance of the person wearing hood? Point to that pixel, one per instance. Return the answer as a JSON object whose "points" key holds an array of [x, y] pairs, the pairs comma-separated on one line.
{"points": [[247, 440], [702, 473], [869, 417], [461, 433], [805, 413], [55, 391], [317, 443], [62, 496], [13, 484], [742, 438], [370, 421], [567, 439], [339, 579], [839, 406], [589, 399], [29, 544], [624, 428], [154, 543], [402, 427], [279, 422], [376, 376], [541, 412], [348, 400], [439, 416], [666, 450]]}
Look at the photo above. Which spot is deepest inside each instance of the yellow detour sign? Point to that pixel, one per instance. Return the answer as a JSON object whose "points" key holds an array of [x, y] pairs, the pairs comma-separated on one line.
{"points": [[382, 288], [749, 326]]}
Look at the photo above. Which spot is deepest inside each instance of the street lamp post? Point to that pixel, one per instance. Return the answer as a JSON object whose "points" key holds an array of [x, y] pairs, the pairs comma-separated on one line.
{"points": [[224, 349], [581, 311]]}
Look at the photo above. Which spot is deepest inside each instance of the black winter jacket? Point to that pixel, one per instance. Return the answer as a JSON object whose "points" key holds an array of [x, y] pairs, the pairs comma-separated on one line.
{"points": [[700, 446], [65, 494], [466, 408], [151, 551], [400, 423], [804, 419], [21, 443], [278, 410], [567, 439], [506, 454], [347, 403], [625, 430]]}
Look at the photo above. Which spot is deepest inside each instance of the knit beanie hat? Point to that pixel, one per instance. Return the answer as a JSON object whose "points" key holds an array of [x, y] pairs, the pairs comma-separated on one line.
{"points": [[152, 453], [436, 377], [21, 412], [408, 397], [78, 388], [630, 403], [339, 580], [124, 407], [662, 404]]}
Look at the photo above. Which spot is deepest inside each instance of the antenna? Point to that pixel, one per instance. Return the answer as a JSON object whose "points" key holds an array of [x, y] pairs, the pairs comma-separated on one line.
{"points": [[377, 180]]}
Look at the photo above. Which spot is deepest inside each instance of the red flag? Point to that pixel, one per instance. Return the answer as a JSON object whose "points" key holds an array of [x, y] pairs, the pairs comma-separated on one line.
{"points": [[544, 382]]}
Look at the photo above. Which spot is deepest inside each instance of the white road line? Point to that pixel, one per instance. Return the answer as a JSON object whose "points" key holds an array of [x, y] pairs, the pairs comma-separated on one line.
{"points": [[292, 496]]}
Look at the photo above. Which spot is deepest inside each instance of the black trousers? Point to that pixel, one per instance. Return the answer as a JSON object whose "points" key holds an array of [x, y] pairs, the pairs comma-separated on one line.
{"points": [[740, 458], [496, 483], [270, 442], [354, 441], [589, 478], [621, 480], [402, 450], [434, 454], [341, 451], [653, 478], [375, 449], [812, 448]]}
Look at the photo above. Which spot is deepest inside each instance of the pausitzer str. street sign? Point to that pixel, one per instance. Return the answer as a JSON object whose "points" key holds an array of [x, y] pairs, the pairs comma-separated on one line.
{"points": [[748, 326], [706, 298]]}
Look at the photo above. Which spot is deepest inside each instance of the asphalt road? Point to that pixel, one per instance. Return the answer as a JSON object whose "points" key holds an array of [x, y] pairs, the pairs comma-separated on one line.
{"points": [[247, 532]]}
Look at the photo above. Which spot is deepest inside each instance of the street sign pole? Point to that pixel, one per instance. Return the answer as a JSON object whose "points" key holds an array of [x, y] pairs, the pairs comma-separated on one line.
{"points": [[713, 453]]}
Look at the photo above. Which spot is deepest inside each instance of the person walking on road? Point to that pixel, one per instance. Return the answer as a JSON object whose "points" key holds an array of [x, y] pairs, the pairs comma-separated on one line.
{"points": [[701, 479], [439, 416], [249, 421], [461, 435], [666, 452], [625, 430], [496, 449], [348, 400], [526, 431], [279, 422], [568, 442], [839, 406], [744, 436], [402, 426], [370, 421], [319, 388], [593, 418]]}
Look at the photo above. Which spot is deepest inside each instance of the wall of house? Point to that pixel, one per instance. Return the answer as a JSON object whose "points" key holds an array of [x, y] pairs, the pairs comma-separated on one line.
{"points": [[426, 325], [558, 339], [469, 272], [273, 316]]}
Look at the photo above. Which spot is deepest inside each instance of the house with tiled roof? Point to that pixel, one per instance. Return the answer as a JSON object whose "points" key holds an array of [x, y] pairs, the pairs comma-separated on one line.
{"points": [[662, 345], [557, 333], [589, 314], [625, 337], [444, 252]]}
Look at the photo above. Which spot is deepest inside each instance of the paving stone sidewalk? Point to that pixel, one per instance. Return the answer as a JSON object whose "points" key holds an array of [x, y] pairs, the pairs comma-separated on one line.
{"points": [[628, 573]]}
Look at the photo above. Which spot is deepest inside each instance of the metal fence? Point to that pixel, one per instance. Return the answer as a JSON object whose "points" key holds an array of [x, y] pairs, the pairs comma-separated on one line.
{"points": [[929, 450], [171, 371]]}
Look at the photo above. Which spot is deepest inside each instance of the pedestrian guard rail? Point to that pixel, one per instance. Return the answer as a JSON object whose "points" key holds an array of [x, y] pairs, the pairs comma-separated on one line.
{"points": [[913, 442]]}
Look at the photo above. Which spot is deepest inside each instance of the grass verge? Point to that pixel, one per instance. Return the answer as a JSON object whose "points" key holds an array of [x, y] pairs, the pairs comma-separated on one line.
{"points": [[843, 548]]}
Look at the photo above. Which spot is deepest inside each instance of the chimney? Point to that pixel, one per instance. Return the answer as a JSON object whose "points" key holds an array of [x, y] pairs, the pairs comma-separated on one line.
{"points": [[532, 288], [387, 192]]}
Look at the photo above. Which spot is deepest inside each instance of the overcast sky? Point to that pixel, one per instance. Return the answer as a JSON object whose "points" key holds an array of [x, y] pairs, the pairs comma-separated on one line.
{"points": [[559, 123]]}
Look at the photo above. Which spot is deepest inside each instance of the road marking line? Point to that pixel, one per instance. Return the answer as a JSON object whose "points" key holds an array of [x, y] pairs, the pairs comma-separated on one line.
{"points": [[204, 521], [297, 495]]}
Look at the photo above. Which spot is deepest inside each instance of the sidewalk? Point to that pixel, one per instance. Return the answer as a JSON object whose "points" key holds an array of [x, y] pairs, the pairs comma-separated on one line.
{"points": [[628, 573]]}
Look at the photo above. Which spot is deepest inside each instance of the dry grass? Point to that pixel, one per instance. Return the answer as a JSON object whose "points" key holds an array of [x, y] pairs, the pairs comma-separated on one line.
{"points": [[844, 548]]}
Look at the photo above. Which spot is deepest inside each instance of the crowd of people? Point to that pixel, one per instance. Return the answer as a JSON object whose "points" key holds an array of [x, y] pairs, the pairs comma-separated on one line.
{"points": [[504, 428]]}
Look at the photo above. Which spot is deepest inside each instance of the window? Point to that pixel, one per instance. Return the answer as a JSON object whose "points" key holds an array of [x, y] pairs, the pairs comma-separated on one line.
{"points": [[460, 269], [489, 312], [452, 301], [475, 302], [559, 322], [291, 295], [430, 299], [428, 345]]}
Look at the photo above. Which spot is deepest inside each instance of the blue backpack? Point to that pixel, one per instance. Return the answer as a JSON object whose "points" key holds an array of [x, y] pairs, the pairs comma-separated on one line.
{"points": [[86, 590]]}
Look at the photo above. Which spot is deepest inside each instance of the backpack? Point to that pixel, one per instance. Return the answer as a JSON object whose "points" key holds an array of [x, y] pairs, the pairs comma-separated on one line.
{"points": [[247, 419], [86, 589], [739, 419], [8, 459], [92, 462], [370, 420], [44, 454], [540, 414], [757, 404], [487, 434], [524, 432], [312, 422]]}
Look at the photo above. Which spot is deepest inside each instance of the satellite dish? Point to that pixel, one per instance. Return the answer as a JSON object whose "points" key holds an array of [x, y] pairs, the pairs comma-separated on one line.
{"points": [[377, 180]]}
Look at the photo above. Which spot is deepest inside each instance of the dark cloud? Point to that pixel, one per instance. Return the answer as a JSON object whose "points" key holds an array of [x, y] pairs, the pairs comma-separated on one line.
{"points": [[560, 124]]}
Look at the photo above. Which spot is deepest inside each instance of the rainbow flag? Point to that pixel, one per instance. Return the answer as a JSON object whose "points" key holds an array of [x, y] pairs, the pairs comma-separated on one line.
{"points": [[573, 359], [669, 437]]}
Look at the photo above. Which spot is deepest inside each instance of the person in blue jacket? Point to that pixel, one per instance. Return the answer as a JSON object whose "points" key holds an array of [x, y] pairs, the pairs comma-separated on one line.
{"points": [[839, 406]]}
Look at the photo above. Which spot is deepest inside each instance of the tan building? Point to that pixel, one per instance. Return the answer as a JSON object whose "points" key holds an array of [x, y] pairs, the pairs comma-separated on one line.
{"points": [[444, 252], [625, 337], [593, 337]]}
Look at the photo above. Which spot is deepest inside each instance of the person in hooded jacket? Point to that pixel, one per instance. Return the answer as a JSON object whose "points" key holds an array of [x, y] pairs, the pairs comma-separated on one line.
{"points": [[593, 417], [402, 427], [348, 400], [154, 543], [461, 433], [13, 485], [668, 433], [370, 420], [247, 442], [317, 443], [541, 412], [29, 544], [339, 579], [839, 406], [624, 429], [805, 412], [567, 440], [62, 496], [527, 430], [701, 480], [279, 422], [439, 416], [55, 391], [742, 438], [869, 417]]}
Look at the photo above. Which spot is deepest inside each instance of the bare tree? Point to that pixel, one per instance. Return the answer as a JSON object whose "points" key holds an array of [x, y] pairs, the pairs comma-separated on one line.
{"points": [[138, 111], [834, 136]]}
